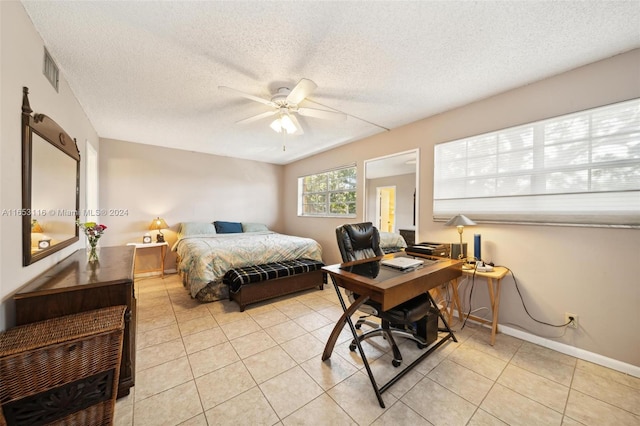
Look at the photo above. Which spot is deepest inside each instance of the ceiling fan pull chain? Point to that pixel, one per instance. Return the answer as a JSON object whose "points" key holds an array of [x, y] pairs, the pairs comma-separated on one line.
{"points": [[284, 140]]}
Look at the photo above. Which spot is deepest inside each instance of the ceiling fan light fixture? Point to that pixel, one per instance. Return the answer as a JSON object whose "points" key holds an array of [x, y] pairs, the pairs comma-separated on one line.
{"points": [[284, 123]]}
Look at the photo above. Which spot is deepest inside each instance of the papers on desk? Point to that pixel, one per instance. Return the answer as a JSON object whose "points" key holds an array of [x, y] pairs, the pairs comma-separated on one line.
{"points": [[403, 263]]}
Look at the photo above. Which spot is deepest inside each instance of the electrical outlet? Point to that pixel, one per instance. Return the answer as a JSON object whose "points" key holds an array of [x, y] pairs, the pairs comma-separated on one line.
{"points": [[567, 318]]}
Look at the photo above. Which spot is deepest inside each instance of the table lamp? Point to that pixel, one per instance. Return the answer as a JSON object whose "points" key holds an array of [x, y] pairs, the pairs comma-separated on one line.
{"points": [[158, 224], [460, 221], [36, 228]]}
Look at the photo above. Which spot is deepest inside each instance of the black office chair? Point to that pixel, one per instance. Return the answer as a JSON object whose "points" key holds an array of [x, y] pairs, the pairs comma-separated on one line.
{"points": [[362, 241]]}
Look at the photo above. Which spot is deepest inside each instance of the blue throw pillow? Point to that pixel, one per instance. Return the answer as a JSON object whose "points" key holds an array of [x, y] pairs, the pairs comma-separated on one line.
{"points": [[228, 227]]}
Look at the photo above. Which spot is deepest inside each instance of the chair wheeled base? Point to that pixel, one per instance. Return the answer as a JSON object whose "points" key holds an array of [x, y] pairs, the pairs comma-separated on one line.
{"points": [[387, 333]]}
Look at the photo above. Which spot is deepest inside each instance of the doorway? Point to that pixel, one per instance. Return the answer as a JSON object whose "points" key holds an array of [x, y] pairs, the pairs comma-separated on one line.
{"points": [[386, 208]]}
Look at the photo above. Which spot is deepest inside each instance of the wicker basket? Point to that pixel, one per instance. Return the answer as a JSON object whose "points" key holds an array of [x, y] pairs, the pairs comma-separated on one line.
{"points": [[63, 370]]}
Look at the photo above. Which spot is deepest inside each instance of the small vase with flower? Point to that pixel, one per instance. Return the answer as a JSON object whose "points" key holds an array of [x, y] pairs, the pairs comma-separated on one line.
{"points": [[93, 231]]}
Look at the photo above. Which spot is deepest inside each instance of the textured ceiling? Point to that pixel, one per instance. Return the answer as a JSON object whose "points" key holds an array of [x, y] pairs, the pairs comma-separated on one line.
{"points": [[149, 72]]}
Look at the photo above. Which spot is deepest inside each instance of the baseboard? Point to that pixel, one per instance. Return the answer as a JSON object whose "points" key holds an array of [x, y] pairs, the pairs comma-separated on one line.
{"points": [[595, 358]]}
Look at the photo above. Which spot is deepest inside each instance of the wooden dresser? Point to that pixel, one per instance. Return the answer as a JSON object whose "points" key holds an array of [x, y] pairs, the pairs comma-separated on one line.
{"points": [[73, 286]]}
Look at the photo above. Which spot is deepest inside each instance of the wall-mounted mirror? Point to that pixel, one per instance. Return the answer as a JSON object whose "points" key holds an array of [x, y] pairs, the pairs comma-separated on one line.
{"points": [[50, 185], [391, 190]]}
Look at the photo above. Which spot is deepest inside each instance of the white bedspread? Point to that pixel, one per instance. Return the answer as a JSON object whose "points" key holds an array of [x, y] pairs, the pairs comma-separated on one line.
{"points": [[206, 258]]}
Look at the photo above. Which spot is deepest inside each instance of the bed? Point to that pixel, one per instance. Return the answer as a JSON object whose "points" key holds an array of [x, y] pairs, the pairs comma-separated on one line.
{"points": [[391, 242], [205, 254]]}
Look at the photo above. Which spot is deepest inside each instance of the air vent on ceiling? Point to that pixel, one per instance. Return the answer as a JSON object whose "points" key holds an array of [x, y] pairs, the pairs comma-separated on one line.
{"points": [[50, 70]]}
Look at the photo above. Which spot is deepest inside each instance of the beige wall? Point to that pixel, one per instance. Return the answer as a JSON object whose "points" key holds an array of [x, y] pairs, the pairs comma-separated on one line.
{"points": [[21, 65], [587, 271], [181, 186]]}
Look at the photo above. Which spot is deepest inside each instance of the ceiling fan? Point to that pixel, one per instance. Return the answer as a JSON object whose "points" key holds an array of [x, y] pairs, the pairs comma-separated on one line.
{"points": [[284, 104]]}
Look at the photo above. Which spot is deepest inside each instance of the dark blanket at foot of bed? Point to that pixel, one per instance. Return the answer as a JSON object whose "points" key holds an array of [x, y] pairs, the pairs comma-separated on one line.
{"points": [[261, 282]]}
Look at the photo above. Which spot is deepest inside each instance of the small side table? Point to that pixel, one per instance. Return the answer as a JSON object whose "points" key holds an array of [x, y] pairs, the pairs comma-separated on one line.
{"points": [[497, 274], [163, 252]]}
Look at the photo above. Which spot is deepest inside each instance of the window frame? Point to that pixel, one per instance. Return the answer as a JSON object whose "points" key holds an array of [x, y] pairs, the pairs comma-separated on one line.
{"points": [[328, 192]]}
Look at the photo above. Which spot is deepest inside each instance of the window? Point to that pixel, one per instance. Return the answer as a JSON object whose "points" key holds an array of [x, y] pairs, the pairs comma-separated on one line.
{"points": [[331, 193], [581, 168]]}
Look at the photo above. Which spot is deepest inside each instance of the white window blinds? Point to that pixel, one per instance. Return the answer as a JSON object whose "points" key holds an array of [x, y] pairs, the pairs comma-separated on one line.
{"points": [[581, 168]]}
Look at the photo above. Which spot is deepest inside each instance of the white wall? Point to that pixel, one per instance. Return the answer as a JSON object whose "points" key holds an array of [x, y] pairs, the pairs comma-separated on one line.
{"points": [[587, 271], [22, 52], [181, 186]]}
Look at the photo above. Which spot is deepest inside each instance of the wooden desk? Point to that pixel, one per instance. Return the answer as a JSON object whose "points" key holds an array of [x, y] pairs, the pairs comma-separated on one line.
{"points": [[390, 288], [163, 252], [497, 274], [73, 285], [455, 300]]}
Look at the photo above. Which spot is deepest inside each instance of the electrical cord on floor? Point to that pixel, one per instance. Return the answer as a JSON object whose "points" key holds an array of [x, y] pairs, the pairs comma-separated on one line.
{"points": [[473, 284], [473, 281], [525, 306]]}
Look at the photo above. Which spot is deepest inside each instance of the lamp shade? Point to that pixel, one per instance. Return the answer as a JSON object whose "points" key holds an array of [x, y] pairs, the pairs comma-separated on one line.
{"points": [[460, 220], [158, 223], [35, 227]]}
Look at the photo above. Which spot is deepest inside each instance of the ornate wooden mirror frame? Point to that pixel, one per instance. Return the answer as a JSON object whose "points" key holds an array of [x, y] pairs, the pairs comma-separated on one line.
{"points": [[50, 185]]}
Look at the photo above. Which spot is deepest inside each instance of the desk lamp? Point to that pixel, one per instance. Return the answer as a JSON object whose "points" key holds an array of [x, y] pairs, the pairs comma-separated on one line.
{"points": [[460, 221], [158, 224]]}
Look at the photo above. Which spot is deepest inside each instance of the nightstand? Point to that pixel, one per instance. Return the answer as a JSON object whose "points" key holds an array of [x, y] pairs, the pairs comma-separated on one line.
{"points": [[162, 252]]}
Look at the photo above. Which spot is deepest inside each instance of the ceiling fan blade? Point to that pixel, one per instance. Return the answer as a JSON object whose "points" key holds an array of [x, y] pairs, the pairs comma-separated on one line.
{"points": [[246, 95], [320, 113], [301, 91], [295, 121], [257, 117]]}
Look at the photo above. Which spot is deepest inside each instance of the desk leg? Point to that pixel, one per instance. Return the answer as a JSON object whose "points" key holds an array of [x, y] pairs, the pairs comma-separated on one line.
{"points": [[428, 352], [456, 301], [346, 316], [163, 253], [495, 308]]}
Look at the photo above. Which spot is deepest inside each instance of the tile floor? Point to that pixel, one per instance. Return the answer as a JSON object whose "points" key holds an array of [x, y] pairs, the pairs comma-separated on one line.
{"points": [[209, 364]]}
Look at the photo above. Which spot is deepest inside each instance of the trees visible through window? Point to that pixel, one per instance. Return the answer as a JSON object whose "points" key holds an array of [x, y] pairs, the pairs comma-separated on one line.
{"points": [[331, 193]]}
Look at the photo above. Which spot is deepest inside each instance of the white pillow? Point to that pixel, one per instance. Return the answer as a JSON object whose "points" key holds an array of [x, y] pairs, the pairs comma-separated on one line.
{"points": [[188, 229], [254, 227]]}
